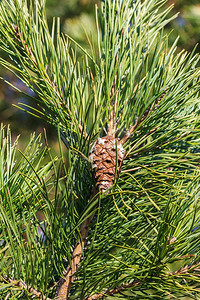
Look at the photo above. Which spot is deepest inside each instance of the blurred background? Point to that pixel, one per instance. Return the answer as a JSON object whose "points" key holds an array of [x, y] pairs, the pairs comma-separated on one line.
{"points": [[78, 17]]}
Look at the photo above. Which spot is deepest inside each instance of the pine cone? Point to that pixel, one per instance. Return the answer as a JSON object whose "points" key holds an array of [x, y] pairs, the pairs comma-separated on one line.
{"points": [[103, 158]]}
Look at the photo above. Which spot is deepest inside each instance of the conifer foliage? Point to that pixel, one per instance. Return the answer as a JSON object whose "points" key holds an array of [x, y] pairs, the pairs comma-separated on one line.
{"points": [[120, 203]]}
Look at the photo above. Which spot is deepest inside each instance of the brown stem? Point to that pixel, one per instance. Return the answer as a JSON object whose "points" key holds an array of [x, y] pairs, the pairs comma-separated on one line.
{"points": [[116, 290], [129, 132], [145, 115], [45, 138], [184, 270], [23, 285], [146, 135], [65, 283], [7, 296], [112, 123], [22, 43], [113, 96], [121, 288]]}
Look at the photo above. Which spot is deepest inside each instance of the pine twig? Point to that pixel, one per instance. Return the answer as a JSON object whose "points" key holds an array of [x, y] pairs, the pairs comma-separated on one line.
{"points": [[129, 132], [64, 285], [7, 297], [113, 96], [21, 42], [45, 138], [123, 287], [145, 115], [23, 285], [112, 123], [114, 291], [183, 270], [147, 134]]}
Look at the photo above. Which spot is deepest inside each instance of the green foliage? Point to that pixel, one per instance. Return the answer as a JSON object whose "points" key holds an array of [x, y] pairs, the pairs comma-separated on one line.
{"points": [[32, 248], [145, 225]]}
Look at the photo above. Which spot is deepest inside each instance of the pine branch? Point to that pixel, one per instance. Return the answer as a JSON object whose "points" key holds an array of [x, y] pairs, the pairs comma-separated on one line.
{"points": [[133, 284], [20, 283], [114, 101], [183, 270], [64, 285], [133, 62], [114, 291], [22, 44], [112, 123], [147, 112]]}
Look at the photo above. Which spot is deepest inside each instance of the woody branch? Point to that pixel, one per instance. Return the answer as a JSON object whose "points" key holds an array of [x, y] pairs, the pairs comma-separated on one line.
{"points": [[65, 283], [114, 98], [23, 285], [187, 270], [147, 112]]}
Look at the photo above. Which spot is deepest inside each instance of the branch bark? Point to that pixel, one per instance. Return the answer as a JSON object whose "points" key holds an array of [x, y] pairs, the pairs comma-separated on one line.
{"points": [[145, 115], [121, 288], [23, 285], [64, 285], [116, 290], [112, 123]]}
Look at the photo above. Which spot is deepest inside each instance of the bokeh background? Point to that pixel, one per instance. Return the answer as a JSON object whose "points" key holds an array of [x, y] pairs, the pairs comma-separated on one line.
{"points": [[78, 17]]}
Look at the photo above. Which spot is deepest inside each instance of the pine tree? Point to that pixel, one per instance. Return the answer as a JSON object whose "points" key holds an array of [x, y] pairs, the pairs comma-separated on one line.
{"points": [[120, 202]]}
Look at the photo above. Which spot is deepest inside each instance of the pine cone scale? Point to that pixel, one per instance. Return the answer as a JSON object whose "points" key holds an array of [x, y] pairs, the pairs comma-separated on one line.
{"points": [[103, 158]]}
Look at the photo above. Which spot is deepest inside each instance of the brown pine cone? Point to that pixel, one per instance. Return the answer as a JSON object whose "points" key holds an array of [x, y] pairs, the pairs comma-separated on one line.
{"points": [[103, 158]]}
